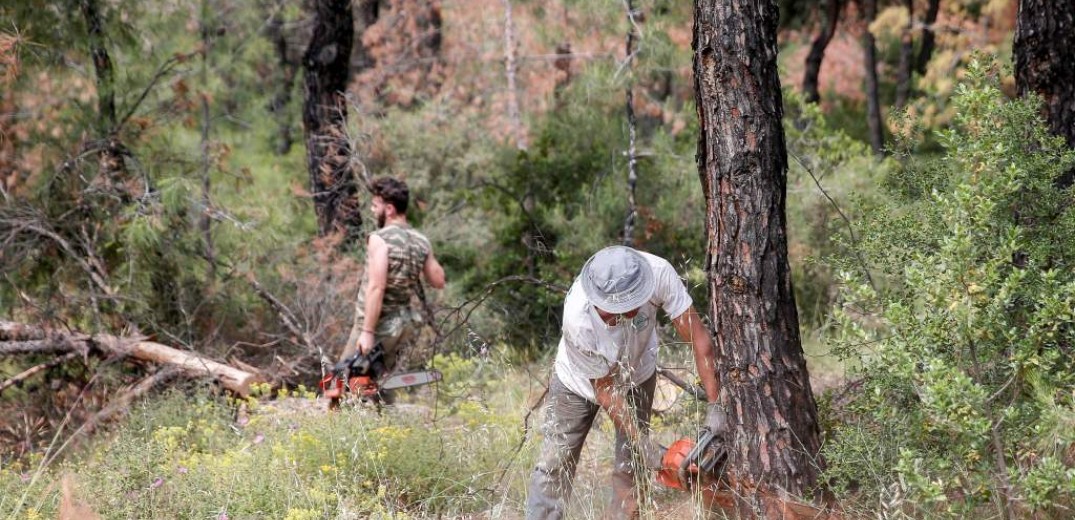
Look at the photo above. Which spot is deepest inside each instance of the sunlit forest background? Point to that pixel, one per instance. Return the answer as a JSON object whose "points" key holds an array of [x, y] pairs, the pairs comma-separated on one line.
{"points": [[156, 184]]}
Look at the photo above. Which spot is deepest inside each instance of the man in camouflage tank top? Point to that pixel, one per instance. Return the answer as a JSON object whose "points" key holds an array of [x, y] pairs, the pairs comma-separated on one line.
{"points": [[397, 257]]}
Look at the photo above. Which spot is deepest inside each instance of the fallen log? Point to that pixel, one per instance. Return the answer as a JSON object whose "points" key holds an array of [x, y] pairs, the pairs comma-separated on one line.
{"points": [[187, 363]]}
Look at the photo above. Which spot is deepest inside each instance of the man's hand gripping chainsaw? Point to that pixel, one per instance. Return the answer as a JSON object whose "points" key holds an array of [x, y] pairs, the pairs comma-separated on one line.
{"points": [[364, 376], [692, 462]]}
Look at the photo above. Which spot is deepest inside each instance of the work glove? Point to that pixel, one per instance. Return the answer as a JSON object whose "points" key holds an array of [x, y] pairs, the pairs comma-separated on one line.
{"points": [[716, 419], [652, 453]]}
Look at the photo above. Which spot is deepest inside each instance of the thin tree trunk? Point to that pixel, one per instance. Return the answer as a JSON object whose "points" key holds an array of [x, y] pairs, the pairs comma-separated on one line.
{"points": [[817, 50], [324, 117], [562, 63], [1045, 63], [102, 65], [742, 161], [925, 52], [205, 223], [510, 68], [904, 70], [873, 103], [632, 159], [368, 12], [110, 159], [285, 81]]}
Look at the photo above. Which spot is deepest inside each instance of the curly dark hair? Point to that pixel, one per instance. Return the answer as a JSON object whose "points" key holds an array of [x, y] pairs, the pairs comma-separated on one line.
{"points": [[393, 191]]}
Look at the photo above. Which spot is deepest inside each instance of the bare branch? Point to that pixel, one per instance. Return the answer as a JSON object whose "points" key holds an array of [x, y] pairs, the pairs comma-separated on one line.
{"points": [[286, 316], [164, 69], [847, 221], [122, 403], [40, 229], [26, 374], [692, 389]]}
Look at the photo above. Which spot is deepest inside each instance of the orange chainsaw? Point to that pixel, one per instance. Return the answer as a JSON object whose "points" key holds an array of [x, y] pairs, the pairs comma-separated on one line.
{"points": [[699, 466], [689, 463], [364, 376]]}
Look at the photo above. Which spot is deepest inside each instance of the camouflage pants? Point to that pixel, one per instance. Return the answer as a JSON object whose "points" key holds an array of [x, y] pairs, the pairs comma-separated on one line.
{"points": [[397, 332], [568, 418]]}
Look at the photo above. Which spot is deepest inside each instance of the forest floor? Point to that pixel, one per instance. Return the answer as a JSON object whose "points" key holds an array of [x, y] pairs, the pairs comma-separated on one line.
{"points": [[518, 391]]}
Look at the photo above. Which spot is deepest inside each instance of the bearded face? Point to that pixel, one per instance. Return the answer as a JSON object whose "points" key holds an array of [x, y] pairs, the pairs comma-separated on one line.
{"points": [[378, 208]]}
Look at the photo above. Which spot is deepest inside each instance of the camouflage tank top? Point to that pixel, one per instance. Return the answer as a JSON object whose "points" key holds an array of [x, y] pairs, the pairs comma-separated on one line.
{"points": [[407, 252]]}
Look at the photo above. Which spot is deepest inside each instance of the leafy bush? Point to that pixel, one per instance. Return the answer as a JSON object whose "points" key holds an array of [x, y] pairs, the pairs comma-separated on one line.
{"points": [[965, 342]]}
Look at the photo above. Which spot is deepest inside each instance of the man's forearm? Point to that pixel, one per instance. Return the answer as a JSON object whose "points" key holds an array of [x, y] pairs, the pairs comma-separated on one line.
{"points": [[691, 329], [374, 302], [615, 406], [706, 361]]}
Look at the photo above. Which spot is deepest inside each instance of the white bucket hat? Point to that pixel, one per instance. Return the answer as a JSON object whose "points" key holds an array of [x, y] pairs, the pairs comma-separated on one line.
{"points": [[617, 279]]}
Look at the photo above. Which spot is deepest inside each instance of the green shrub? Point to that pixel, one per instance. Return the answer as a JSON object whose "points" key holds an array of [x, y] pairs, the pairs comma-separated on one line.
{"points": [[965, 341]]}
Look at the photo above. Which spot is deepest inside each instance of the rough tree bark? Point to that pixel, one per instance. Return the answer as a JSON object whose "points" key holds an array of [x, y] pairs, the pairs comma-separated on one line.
{"points": [[873, 102], [905, 68], [817, 50], [925, 52], [324, 117], [742, 161], [1045, 63]]}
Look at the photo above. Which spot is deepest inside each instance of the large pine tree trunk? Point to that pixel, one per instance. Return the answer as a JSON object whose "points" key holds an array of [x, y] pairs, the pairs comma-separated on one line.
{"points": [[324, 116], [817, 50], [1045, 62], [742, 161]]}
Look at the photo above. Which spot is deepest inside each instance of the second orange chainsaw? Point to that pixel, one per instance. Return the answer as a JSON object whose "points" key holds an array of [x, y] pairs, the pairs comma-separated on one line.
{"points": [[365, 376]]}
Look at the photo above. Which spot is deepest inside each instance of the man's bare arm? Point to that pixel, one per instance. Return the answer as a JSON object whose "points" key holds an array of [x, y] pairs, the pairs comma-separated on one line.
{"points": [[434, 272], [377, 280], [689, 326]]}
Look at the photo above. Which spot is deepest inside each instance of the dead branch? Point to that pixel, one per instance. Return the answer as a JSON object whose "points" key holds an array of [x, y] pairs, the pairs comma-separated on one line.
{"points": [[286, 316], [98, 278], [26, 374], [692, 389], [123, 402]]}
